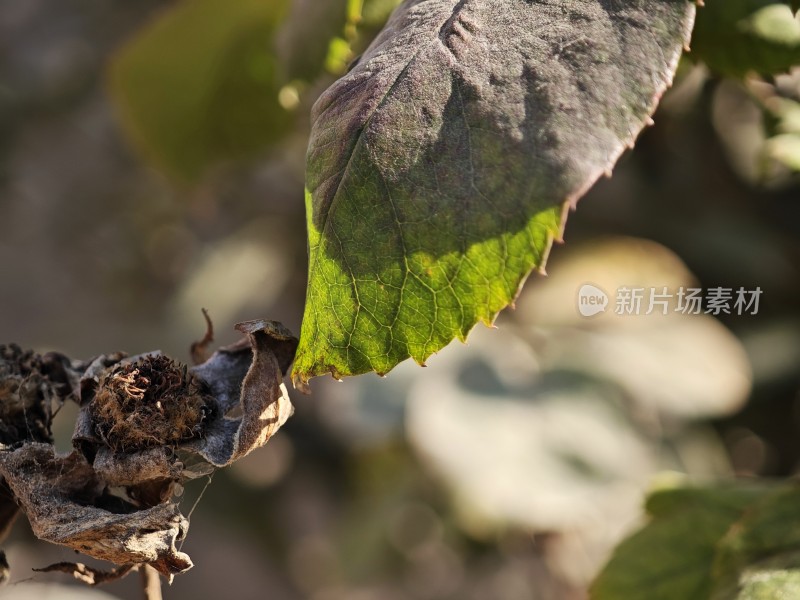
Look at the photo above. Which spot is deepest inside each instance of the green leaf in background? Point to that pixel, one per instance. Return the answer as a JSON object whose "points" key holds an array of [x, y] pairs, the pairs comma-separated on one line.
{"points": [[729, 542], [199, 85], [439, 168], [784, 146], [768, 531], [734, 37], [673, 556]]}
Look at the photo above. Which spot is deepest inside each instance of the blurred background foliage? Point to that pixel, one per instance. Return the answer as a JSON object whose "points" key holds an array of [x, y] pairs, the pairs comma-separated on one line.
{"points": [[151, 163]]}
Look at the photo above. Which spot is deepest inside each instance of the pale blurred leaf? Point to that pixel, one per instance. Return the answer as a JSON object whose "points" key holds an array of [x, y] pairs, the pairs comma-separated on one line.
{"points": [[785, 148]]}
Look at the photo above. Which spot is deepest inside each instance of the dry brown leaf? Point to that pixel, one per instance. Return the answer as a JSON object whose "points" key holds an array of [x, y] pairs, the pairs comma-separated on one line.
{"points": [[113, 497]]}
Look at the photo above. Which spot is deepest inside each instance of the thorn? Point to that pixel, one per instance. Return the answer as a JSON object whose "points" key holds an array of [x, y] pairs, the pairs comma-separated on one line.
{"points": [[631, 143], [649, 121], [608, 172], [700, 3], [687, 47]]}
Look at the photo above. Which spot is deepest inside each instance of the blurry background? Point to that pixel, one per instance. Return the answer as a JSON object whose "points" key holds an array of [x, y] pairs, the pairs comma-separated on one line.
{"points": [[151, 163]]}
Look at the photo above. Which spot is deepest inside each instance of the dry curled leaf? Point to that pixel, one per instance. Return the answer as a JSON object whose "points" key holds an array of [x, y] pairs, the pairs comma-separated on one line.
{"points": [[143, 420], [68, 504], [264, 400], [31, 386]]}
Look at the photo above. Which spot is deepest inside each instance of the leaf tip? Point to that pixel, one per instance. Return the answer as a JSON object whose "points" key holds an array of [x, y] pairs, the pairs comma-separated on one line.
{"points": [[551, 237], [489, 322], [566, 208], [300, 383]]}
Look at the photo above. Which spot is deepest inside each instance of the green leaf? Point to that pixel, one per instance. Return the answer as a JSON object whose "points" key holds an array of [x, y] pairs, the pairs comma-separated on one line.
{"points": [[199, 85], [768, 531], [439, 167], [733, 541], [673, 556], [734, 37]]}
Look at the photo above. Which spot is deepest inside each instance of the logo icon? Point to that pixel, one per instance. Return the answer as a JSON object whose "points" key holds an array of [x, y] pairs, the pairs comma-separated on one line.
{"points": [[591, 300]]}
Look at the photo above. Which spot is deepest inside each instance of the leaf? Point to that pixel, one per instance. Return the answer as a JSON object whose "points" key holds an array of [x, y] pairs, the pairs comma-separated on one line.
{"points": [[769, 531], [439, 167], [734, 37], [673, 556], [200, 85], [732, 541], [768, 585], [785, 148]]}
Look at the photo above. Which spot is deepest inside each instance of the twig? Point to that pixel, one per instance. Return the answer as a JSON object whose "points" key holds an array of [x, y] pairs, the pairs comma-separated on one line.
{"points": [[151, 583], [199, 349], [88, 575]]}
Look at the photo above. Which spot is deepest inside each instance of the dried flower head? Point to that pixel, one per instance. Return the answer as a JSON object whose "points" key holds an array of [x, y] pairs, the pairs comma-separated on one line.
{"points": [[141, 419], [153, 401]]}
